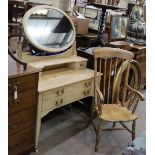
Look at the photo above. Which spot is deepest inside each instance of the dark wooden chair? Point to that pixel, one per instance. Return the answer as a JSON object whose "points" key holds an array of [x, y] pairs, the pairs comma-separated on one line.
{"points": [[116, 99]]}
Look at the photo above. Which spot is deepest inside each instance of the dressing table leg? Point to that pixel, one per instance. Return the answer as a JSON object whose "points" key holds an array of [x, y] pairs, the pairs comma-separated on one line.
{"points": [[38, 122]]}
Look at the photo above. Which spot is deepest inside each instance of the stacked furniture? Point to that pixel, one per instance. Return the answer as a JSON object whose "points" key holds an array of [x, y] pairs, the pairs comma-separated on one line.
{"points": [[139, 52], [22, 105]]}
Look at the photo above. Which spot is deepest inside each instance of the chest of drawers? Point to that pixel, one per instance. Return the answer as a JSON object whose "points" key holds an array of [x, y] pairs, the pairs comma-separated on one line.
{"points": [[139, 52], [22, 105]]}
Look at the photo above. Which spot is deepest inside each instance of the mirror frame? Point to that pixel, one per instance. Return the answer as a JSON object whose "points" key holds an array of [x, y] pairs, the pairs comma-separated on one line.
{"points": [[37, 45], [112, 38]]}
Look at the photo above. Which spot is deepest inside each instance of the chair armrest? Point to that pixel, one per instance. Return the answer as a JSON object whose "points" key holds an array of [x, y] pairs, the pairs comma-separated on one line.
{"points": [[141, 96], [101, 99], [100, 94]]}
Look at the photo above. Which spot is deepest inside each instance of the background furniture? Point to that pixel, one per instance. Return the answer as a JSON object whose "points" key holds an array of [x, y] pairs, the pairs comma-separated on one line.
{"points": [[139, 55], [102, 19], [22, 98], [118, 28], [16, 11], [138, 51], [115, 100], [85, 41], [99, 40]]}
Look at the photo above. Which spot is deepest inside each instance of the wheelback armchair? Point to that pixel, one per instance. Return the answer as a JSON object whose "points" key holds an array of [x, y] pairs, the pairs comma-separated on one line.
{"points": [[116, 94]]}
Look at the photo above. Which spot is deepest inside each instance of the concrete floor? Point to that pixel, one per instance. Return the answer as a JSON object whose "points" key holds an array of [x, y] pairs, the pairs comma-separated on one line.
{"points": [[63, 132]]}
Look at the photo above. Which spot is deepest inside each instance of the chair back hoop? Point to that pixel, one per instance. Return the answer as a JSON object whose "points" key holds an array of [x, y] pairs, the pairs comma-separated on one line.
{"points": [[108, 52], [134, 82], [118, 71], [118, 81]]}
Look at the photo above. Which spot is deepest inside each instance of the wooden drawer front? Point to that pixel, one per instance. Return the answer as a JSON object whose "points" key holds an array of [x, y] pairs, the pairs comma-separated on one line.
{"points": [[25, 100], [143, 73], [56, 98], [78, 65], [140, 55], [21, 142], [23, 83], [21, 121], [143, 57]]}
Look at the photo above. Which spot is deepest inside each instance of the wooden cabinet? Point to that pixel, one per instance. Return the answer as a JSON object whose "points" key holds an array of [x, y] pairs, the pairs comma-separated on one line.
{"points": [[139, 55], [22, 105]]}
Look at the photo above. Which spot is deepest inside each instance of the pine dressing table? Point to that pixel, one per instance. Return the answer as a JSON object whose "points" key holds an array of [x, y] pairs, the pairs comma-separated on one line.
{"points": [[64, 77]]}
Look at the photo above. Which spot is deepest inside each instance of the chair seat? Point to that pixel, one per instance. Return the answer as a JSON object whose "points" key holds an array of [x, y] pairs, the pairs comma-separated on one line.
{"points": [[116, 113]]}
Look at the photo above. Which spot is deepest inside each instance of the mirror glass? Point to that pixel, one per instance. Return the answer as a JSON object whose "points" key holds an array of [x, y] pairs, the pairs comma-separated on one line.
{"points": [[49, 28]]}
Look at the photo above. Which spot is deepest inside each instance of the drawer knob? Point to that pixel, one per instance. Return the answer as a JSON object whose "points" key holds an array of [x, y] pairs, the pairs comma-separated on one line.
{"points": [[17, 83], [15, 92], [81, 65], [14, 125], [14, 103], [20, 141], [58, 103], [10, 84], [86, 92], [60, 92], [87, 84]]}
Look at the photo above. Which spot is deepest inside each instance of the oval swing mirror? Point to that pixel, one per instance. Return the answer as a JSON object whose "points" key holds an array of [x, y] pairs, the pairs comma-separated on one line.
{"points": [[49, 29]]}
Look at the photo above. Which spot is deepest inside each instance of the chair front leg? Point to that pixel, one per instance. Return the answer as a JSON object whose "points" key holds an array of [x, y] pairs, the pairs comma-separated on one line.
{"points": [[133, 129], [114, 123], [98, 134], [93, 116]]}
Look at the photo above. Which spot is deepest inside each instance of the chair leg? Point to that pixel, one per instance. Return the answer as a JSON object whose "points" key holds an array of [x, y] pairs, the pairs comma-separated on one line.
{"points": [[133, 129], [98, 135], [93, 116], [114, 124]]}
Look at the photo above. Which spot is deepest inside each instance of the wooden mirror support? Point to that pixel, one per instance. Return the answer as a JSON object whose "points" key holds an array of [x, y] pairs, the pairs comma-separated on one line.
{"points": [[16, 59]]}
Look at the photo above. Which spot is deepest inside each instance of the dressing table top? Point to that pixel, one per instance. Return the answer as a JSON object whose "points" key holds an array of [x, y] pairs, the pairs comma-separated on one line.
{"points": [[43, 62]]}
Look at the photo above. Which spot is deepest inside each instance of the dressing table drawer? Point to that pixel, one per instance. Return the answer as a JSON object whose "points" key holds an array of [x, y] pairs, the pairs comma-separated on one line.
{"points": [[21, 142], [24, 101], [53, 99], [78, 65], [20, 121]]}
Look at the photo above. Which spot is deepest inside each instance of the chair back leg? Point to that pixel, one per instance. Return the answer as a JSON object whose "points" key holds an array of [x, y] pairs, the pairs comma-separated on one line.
{"points": [[133, 129], [114, 124]]}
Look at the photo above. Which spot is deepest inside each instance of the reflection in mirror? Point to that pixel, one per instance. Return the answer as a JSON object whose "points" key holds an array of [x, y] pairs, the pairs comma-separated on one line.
{"points": [[50, 28]]}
